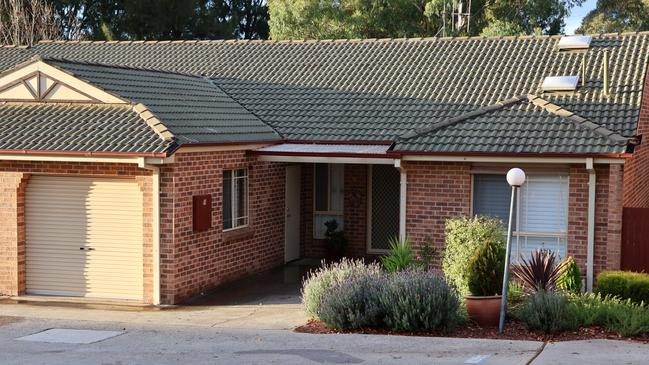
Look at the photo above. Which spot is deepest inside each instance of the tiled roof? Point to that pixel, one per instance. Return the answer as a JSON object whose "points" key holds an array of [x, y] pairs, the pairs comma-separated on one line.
{"points": [[525, 124], [192, 108], [76, 127], [378, 90]]}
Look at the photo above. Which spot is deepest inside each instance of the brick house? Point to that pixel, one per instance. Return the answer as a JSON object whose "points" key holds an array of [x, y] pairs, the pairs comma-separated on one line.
{"points": [[153, 171]]}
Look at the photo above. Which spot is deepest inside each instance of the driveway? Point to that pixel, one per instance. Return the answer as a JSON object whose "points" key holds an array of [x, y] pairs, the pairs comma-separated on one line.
{"points": [[269, 301]]}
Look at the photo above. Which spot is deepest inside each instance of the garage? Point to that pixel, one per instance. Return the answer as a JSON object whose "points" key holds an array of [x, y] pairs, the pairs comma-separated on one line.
{"points": [[84, 237]]}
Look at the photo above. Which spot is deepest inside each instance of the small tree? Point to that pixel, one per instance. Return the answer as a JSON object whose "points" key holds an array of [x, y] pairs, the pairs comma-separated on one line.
{"points": [[463, 237], [25, 22]]}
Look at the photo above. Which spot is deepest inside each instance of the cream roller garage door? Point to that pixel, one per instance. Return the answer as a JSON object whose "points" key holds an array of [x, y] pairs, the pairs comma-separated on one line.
{"points": [[84, 237]]}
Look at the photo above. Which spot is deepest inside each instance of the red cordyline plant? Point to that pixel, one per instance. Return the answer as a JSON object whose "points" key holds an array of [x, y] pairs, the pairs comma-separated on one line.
{"points": [[540, 272]]}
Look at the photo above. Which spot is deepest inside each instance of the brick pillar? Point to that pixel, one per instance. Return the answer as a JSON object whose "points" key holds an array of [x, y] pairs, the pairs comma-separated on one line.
{"points": [[12, 233], [614, 224], [355, 211], [578, 216]]}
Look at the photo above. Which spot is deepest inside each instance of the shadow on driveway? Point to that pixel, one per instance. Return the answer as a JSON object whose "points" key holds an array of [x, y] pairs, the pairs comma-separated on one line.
{"points": [[277, 286]]}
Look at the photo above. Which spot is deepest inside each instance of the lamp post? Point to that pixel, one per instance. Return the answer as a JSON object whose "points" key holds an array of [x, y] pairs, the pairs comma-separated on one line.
{"points": [[515, 178]]}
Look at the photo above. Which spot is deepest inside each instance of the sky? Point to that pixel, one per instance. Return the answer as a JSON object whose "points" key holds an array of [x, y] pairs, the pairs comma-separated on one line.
{"points": [[577, 14]]}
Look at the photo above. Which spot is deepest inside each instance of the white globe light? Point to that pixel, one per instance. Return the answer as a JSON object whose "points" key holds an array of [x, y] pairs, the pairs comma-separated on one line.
{"points": [[516, 177]]}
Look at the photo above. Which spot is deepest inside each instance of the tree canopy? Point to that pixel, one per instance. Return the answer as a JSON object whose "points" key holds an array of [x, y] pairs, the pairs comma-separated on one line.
{"points": [[297, 19], [163, 19], [300, 19], [610, 16]]}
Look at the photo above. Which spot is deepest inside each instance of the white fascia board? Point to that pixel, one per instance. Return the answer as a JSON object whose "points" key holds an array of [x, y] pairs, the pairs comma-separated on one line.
{"points": [[496, 159], [55, 158]]}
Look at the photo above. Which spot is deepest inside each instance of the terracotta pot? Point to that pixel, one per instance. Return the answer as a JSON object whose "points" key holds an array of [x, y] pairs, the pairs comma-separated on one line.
{"points": [[485, 311]]}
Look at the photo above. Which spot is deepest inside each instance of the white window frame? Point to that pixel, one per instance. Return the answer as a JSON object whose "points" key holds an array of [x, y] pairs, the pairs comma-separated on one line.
{"points": [[233, 205], [339, 214], [519, 236]]}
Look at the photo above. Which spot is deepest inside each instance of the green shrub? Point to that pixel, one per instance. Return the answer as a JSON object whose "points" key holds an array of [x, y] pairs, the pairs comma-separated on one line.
{"points": [[353, 303], [515, 294], [463, 236], [625, 285], [544, 311], [486, 269], [320, 280], [401, 256], [623, 316], [570, 280], [416, 299]]}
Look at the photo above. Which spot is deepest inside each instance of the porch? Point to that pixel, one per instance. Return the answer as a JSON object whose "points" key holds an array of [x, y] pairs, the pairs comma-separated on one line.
{"points": [[357, 186]]}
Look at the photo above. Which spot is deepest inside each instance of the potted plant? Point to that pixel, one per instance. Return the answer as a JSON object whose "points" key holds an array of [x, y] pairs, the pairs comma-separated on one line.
{"points": [[335, 241], [485, 280]]}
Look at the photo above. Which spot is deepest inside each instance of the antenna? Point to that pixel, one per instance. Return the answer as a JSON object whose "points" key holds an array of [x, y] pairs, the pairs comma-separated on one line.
{"points": [[462, 15]]}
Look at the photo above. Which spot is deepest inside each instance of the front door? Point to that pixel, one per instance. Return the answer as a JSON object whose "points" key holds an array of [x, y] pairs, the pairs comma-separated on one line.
{"points": [[292, 213]]}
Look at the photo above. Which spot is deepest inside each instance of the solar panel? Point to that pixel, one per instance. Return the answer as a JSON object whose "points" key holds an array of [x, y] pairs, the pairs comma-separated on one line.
{"points": [[574, 42], [560, 83]]}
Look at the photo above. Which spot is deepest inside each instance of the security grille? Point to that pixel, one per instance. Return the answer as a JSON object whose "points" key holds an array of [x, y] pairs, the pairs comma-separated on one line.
{"points": [[384, 209]]}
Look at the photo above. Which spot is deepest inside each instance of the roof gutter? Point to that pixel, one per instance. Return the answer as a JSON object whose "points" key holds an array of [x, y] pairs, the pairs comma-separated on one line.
{"points": [[81, 153], [518, 158]]}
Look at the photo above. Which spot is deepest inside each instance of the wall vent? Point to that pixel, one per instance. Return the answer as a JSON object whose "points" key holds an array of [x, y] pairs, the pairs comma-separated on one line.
{"points": [[574, 42], [560, 83]]}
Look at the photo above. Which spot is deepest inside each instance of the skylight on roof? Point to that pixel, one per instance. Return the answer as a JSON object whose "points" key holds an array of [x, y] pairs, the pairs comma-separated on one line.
{"points": [[560, 83], [574, 42]]}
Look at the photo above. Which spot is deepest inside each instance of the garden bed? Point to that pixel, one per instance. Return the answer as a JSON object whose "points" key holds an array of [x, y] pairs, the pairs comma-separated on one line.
{"points": [[514, 330]]}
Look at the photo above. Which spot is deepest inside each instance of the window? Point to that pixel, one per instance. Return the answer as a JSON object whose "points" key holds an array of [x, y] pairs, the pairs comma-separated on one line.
{"points": [[328, 196], [235, 198], [541, 212]]}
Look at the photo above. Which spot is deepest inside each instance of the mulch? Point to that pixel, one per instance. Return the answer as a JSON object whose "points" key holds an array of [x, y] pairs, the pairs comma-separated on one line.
{"points": [[514, 330]]}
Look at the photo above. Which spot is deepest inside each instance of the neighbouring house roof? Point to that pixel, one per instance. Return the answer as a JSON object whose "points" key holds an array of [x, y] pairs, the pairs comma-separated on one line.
{"points": [[76, 128], [382, 90]]}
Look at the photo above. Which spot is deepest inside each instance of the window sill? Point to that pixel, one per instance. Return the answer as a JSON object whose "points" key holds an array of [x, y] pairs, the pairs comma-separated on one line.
{"points": [[238, 233]]}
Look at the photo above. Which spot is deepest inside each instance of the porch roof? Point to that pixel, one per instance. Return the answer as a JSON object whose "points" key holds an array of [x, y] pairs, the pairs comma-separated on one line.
{"points": [[309, 152]]}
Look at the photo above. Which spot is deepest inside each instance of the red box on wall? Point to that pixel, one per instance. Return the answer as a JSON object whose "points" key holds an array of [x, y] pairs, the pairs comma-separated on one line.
{"points": [[202, 212]]}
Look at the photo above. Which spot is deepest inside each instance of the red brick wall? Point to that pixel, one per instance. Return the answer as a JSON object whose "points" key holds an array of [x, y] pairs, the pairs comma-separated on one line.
{"points": [[192, 263], [636, 169], [354, 212], [14, 177], [436, 192], [608, 216]]}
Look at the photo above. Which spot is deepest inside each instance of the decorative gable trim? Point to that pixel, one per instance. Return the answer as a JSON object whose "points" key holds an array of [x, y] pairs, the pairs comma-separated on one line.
{"points": [[38, 81]]}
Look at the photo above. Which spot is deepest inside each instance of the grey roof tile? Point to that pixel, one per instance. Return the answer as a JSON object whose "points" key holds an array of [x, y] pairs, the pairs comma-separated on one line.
{"points": [[377, 90], [191, 107], [76, 127]]}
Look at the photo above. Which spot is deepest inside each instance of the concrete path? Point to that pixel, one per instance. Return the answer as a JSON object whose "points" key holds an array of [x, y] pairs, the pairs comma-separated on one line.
{"points": [[594, 352], [262, 334], [164, 344]]}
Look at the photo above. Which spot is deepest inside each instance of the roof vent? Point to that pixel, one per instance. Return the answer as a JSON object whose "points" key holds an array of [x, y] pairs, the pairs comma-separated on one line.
{"points": [[560, 83], [574, 42]]}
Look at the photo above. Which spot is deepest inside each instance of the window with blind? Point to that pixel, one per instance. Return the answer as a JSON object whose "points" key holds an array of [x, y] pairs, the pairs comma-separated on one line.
{"points": [[541, 212], [235, 198], [328, 197]]}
